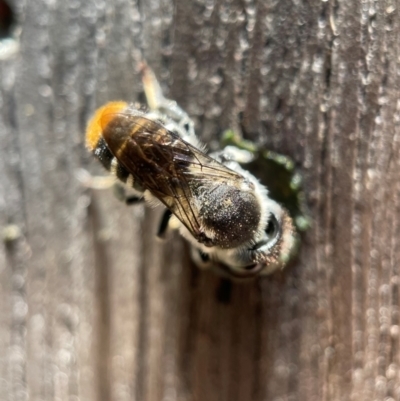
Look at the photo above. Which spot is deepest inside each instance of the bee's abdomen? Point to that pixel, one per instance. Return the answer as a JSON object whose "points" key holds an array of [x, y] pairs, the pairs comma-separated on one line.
{"points": [[231, 213]]}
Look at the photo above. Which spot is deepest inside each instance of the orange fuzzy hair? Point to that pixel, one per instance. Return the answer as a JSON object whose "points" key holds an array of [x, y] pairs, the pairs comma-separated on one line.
{"points": [[100, 120]]}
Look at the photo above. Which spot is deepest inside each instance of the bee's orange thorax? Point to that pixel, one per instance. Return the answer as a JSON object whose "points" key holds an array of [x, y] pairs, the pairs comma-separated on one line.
{"points": [[100, 120]]}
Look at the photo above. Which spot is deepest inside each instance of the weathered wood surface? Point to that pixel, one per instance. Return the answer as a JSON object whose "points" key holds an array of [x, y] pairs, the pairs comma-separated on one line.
{"points": [[92, 307]]}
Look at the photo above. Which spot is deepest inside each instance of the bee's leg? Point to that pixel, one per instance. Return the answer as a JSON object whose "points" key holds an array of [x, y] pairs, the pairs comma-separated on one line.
{"points": [[133, 200], [224, 291], [100, 182], [182, 123], [121, 194], [232, 153], [164, 223], [92, 181]]}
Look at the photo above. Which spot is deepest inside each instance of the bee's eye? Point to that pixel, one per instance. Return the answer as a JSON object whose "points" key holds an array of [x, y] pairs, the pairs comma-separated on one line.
{"points": [[272, 228]]}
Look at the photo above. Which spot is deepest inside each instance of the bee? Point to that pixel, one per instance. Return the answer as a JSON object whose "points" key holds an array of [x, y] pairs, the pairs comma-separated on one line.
{"points": [[220, 208]]}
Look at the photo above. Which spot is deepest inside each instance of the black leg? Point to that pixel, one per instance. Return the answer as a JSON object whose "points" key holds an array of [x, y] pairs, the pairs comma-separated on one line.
{"points": [[121, 195], [224, 291], [133, 200], [164, 223]]}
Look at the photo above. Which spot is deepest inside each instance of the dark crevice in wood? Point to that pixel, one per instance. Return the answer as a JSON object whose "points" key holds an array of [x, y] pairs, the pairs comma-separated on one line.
{"points": [[143, 301], [102, 291], [251, 121], [16, 259], [10, 118], [257, 373], [7, 20], [189, 311]]}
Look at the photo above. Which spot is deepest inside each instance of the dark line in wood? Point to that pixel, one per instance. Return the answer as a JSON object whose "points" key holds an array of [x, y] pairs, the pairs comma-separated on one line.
{"points": [[143, 301], [102, 288], [259, 343], [10, 116], [188, 309]]}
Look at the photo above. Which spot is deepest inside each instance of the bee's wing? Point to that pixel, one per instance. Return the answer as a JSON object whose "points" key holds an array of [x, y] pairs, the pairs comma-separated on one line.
{"points": [[170, 168]]}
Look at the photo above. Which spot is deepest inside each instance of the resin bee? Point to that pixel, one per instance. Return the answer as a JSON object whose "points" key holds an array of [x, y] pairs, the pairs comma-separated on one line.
{"points": [[222, 209]]}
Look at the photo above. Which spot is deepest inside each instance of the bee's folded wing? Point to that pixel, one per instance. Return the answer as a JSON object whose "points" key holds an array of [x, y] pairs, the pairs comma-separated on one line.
{"points": [[171, 169]]}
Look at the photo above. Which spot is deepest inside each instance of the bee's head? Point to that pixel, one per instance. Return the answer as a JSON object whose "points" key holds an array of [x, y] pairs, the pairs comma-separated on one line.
{"points": [[273, 250]]}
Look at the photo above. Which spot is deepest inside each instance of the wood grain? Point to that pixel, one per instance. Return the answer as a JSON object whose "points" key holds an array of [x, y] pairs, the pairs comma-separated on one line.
{"points": [[93, 307]]}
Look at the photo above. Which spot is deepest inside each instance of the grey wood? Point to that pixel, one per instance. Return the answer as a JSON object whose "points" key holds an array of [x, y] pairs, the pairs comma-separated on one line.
{"points": [[93, 307]]}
